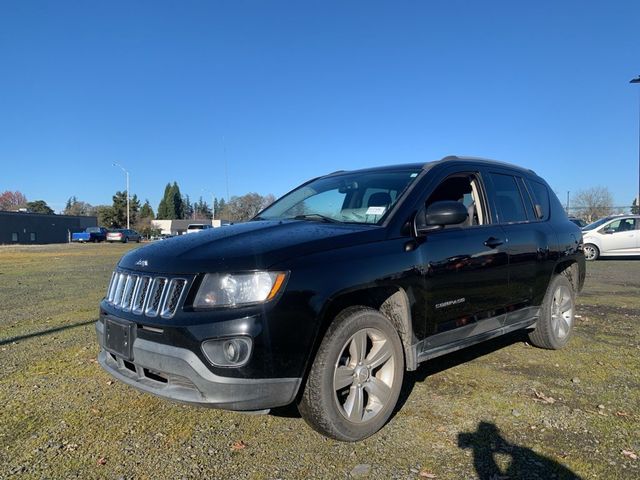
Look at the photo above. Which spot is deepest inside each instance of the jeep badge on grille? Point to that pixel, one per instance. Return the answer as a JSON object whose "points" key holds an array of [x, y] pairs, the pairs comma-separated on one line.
{"points": [[142, 263]]}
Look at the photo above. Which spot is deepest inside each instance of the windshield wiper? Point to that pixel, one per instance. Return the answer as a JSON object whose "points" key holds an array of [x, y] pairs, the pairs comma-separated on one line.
{"points": [[317, 217]]}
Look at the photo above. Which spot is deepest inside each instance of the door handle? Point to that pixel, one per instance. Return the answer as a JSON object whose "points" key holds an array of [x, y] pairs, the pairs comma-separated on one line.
{"points": [[493, 242]]}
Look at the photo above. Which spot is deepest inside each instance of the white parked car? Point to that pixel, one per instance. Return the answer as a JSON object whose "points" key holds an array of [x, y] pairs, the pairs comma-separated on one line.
{"points": [[196, 227], [616, 236]]}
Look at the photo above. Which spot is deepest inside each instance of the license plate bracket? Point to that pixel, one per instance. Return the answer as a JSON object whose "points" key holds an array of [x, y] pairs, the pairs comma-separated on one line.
{"points": [[118, 337]]}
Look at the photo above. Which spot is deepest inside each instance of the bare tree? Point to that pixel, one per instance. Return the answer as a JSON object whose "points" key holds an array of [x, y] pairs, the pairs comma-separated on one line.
{"points": [[240, 209], [594, 203], [12, 200]]}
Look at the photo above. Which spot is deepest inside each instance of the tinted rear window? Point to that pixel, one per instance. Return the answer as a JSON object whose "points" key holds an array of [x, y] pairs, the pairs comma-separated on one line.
{"points": [[508, 199], [540, 196]]}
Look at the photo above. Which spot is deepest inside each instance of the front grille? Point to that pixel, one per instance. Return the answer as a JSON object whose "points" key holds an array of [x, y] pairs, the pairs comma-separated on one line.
{"points": [[145, 294]]}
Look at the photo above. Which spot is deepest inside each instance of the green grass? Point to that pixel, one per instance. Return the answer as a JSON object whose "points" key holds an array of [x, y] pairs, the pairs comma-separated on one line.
{"points": [[61, 413]]}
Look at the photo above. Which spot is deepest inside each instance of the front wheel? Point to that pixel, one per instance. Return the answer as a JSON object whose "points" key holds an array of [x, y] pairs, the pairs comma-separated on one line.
{"points": [[355, 380], [557, 315], [591, 252]]}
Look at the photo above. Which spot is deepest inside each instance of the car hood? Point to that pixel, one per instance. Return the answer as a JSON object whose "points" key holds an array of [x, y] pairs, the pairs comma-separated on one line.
{"points": [[246, 246]]}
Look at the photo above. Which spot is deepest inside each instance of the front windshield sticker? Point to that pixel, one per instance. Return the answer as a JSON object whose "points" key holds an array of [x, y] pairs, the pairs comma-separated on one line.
{"points": [[375, 211]]}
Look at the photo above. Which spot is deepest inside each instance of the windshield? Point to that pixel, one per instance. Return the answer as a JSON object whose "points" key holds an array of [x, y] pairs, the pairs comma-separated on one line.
{"points": [[363, 197], [597, 223], [93, 230]]}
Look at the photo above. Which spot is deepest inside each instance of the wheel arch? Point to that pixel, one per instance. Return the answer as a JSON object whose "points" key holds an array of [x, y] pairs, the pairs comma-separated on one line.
{"points": [[571, 270], [392, 301]]}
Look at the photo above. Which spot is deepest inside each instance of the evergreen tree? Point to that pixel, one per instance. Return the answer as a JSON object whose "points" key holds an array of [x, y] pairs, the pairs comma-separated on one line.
{"points": [[69, 204], [176, 200], [119, 208], [146, 211], [202, 210], [163, 212], [221, 210], [39, 206], [188, 209]]}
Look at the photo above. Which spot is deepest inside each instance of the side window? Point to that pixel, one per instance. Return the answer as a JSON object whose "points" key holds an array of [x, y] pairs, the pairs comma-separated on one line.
{"points": [[540, 199], [622, 225], [463, 188], [508, 199]]}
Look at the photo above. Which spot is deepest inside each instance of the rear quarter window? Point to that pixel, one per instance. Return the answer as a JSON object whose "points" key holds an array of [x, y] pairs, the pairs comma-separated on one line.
{"points": [[540, 196]]}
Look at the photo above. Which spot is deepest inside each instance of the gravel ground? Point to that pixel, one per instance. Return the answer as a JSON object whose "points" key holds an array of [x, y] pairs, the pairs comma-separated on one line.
{"points": [[503, 409]]}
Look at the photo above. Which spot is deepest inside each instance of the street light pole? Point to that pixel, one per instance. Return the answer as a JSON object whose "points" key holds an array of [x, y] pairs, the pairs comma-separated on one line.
{"points": [[127, 177], [637, 80]]}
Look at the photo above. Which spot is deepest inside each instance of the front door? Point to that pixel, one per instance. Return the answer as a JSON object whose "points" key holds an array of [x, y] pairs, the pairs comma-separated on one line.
{"points": [[465, 266], [620, 237]]}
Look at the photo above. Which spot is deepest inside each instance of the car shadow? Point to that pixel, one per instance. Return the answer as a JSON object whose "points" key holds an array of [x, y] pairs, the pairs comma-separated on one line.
{"points": [[450, 360], [40, 333], [487, 442]]}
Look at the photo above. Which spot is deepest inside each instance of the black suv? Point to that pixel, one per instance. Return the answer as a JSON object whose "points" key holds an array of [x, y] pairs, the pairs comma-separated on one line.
{"points": [[331, 293]]}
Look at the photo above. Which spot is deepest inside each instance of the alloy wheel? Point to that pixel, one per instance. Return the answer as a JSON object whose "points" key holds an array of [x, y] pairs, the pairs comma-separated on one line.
{"points": [[562, 311], [364, 375]]}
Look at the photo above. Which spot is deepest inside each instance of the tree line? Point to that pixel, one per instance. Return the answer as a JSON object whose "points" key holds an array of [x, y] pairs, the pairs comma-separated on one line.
{"points": [[173, 206]]}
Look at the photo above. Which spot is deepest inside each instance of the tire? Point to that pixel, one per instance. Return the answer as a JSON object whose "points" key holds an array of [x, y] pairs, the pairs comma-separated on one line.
{"points": [[591, 252], [368, 389], [557, 315], [126, 240]]}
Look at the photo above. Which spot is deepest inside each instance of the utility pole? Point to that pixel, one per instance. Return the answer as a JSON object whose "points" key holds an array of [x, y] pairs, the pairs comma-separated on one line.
{"points": [[127, 177], [226, 166], [637, 80]]}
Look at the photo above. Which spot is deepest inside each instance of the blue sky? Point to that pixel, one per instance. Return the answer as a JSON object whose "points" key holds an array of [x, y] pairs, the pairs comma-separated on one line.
{"points": [[292, 90]]}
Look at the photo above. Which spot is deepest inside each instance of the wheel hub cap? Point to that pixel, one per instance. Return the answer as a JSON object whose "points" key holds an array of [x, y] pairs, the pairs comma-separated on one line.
{"points": [[362, 373]]}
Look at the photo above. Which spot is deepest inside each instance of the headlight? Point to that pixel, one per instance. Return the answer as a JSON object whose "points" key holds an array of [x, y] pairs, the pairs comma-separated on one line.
{"points": [[218, 290]]}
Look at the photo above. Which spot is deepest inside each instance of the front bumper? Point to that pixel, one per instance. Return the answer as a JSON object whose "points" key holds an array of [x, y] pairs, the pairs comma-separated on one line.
{"points": [[178, 374]]}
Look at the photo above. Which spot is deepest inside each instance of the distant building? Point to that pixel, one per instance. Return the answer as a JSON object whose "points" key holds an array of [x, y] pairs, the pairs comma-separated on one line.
{"points": [[37, 228], [179, 227]]}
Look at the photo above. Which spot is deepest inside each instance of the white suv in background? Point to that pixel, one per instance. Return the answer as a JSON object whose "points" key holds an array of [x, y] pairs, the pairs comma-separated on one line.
{"points": [[196, 227], [617, 236]]}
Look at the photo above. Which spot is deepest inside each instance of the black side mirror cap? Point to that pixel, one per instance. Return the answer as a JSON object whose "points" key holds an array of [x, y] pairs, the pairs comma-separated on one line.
{"points": [[440, 214]]}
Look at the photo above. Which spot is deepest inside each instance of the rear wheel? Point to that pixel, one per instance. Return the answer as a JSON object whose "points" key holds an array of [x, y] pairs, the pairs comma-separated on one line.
{"points": [[354, 383], [557, 315], [591, 252]]}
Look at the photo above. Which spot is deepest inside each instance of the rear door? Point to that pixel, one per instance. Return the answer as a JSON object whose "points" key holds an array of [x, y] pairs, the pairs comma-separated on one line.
{"points": [[522, 210]]}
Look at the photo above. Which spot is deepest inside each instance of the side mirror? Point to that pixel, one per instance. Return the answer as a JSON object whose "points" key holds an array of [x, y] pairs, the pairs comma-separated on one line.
{"points": [[438, 215], [609, 231]]}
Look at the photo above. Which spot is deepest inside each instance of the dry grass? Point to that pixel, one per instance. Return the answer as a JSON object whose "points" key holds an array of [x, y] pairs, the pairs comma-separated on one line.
{"points": [[479, 413]]}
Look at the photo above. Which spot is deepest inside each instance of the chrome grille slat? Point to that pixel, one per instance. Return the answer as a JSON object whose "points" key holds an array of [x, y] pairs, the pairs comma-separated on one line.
{"points": [[155, 296], [117, 297], [127, 296], [141, 295], [172, 298], [145, 294], [112, 284]]}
